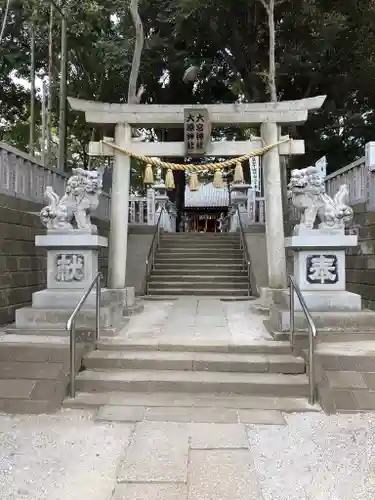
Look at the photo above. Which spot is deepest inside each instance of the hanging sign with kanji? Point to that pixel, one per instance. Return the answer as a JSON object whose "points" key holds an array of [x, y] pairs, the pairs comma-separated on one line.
{"points": [[197, 131], [255, 178]]}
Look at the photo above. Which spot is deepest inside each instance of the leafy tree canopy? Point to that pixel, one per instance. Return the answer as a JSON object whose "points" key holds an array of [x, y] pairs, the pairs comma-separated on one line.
{"points": [[323, 47]]}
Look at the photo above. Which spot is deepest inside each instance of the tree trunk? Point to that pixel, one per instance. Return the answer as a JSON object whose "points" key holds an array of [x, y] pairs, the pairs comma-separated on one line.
{"points": [[32, 87], [272, 60], [63, 94], [50, 88]]}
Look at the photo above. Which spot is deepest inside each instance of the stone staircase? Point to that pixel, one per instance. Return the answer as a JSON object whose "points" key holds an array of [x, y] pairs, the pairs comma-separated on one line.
{"points": [[200, 264], [125, 372]]}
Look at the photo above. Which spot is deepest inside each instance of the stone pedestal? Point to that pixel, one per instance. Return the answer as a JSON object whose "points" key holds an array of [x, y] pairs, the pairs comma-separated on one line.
{"points": [[72, 263], [319, 269]]}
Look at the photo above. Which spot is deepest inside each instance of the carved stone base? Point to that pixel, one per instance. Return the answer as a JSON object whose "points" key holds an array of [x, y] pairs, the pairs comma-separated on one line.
{"points": [[72, 259], [72, 264], [319, 259], [39, 319]]}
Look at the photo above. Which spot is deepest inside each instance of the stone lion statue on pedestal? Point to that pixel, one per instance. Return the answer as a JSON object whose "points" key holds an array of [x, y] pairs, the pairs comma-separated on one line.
{"points": [[74, 209], [307, 190]]}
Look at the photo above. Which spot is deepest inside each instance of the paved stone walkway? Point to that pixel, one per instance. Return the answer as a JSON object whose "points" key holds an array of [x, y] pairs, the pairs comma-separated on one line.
{"points": [[175, 451], [69, 456], [198, 319]]}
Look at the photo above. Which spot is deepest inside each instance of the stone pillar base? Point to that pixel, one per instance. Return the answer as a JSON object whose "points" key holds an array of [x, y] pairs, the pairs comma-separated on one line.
{"points": [[270, 296]]}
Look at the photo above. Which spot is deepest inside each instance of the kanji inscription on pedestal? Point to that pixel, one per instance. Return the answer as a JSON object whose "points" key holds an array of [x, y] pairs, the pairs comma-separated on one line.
{"points": [[322, 269], [70, 267], [197, 131]]}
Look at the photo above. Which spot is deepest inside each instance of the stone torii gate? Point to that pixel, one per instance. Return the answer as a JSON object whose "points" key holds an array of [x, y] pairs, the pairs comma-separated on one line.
{"points": [[269, 116]]}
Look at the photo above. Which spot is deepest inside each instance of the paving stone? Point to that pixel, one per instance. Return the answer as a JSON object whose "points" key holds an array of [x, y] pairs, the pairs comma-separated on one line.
{"points": [[16, 389], [158, 453], [222, 475], [217, 436], [357, 363], [342, 379], [193, 414], [344, 400], [149, 491], [45, 389], [26, 370], [20, 406], [365, 400], [261, 417], [370, 380], [121, 413]]}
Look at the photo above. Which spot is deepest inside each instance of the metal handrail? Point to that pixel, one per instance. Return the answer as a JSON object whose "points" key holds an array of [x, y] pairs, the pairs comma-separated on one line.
{"points": [[151, 254], [244, 247], [71, 328], [293, 287]]}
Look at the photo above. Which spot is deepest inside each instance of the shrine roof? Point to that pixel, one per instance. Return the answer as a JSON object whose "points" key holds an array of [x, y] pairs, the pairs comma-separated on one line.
{"points": [[206, 196]]}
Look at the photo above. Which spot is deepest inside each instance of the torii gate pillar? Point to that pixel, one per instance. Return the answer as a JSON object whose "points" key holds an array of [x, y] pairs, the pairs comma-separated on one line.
{"points": [[277, 278], [118, 236]]}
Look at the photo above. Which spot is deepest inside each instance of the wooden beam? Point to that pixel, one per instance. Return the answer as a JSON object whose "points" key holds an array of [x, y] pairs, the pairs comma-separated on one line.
{"points": [[155, 115], [215, 148]]}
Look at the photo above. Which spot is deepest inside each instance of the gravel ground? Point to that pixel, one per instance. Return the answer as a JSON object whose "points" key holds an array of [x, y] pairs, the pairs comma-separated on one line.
{"points": [[316, 457], [60, 457]]}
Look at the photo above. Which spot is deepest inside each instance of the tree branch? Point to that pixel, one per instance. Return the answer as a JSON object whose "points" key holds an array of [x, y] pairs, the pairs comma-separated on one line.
{"points": [[134, 97], [4, 20]]}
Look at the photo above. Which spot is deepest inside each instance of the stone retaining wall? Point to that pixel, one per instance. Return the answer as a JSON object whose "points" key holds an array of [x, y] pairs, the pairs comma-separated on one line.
{"points": [[360, 261], [22, 265]]}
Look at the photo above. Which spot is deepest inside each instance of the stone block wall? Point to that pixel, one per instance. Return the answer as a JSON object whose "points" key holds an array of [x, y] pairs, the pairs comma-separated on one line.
{"points": [[22, 265], [360, 261]]}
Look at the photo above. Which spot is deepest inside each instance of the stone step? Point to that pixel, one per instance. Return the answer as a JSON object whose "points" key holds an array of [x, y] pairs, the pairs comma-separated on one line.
{"points": [[195, 345], [265, 384], [196, 284], [223, 298], [92, 400], [204, 272], [200, 244], [199, 259], [199, 278], [200, 236], [221, 362], [220, 292], [193, 265], [212, 254]]}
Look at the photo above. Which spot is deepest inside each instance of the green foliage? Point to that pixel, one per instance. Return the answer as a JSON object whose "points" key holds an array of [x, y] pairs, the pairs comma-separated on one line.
{"points": [[323, 47]]}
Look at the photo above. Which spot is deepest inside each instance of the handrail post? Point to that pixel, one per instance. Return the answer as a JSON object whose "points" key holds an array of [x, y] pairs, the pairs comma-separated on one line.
{"points": [[312, 369], [73, 360], [291, 309], [97, 311], [248, 279], [71, 327]]}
